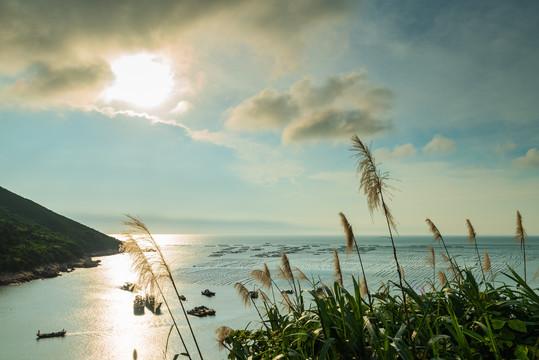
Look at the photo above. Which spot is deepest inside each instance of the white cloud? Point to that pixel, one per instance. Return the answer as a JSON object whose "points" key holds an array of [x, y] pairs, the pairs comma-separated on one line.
{"points": [[182, 107], [406, 150], [111, 112], [440, 145], [530, 160], [342, 105]]}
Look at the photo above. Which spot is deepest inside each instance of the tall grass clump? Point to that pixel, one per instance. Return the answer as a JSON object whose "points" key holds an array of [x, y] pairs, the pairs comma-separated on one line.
{"points": [[456, 320], [153, 271]]}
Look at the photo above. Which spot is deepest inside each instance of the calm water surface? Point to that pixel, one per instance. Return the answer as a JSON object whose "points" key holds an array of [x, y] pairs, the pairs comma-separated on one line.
{"points": [[99, 319]]}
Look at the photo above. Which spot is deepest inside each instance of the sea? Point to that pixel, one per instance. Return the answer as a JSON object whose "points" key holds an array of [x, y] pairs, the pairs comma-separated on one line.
{"points": [[98, 316]]}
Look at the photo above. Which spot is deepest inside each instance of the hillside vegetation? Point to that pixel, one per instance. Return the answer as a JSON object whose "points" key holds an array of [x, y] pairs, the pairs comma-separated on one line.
{"points": [[31, 235]]}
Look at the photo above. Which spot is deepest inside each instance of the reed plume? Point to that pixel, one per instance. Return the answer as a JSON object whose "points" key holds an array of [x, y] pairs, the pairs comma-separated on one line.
{"points": [[287, 271], [264, 296], [262, 277], [486, 264], [350, 243], [442, 278], [439, 238], [520, 238], [246, 299], [287, 301], [222, 333], [337, 267], [153, 270], [244, 294], [363, 287], [431, 261], [300, 275], [375, 188], [472, 240], [451, 267]]}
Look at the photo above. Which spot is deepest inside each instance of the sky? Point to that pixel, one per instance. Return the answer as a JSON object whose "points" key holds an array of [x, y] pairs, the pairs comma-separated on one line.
{"points": [[236, 117]]}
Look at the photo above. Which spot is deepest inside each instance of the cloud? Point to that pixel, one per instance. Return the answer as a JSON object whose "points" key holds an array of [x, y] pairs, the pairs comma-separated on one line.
{"points": [[530, 160], [343, 104], [182, 107], [440, 145], [267, 110], [51, 47], [406, 150], [154, 119], [260, 163], [333, 124], [71, 85]]}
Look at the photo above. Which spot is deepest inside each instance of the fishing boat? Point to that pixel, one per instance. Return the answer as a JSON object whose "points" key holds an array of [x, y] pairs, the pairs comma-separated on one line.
{"points": [[208, 293], [201, 311], [128, 286], [49, 335], [153, 305], [138, 305]]}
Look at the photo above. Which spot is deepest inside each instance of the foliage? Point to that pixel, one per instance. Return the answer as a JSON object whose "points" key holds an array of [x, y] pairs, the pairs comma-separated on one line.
{"points": [[462, 319], [25, 245], [466, 320], [42, 236]]}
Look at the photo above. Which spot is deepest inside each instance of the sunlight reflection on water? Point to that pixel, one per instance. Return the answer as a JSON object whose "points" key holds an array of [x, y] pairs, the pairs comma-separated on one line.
{"points": [[99, 318]]}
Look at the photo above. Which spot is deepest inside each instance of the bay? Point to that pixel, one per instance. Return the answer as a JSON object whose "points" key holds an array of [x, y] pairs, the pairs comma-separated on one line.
{"points": [[99, 319]]}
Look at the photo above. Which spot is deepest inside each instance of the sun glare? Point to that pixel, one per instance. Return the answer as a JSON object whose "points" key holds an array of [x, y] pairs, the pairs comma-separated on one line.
{"points": [[144, 80]]}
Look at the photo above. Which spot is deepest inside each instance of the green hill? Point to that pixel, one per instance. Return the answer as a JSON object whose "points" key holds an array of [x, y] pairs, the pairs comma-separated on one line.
{"points": [[31, 235]]}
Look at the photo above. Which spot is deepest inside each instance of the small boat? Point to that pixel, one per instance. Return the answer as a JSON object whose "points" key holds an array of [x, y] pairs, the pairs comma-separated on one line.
{"points": [[153, 305], [208, 293], [49, 335], [201, 311], [253, 294], [138, 305], [128, 286]]}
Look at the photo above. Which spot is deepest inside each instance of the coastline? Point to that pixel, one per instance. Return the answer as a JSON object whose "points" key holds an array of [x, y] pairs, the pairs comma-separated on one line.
{"points": [[53, 270]]}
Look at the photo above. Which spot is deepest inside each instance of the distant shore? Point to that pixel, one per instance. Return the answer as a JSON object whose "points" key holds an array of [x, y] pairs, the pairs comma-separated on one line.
{"points": [[52, 270]]}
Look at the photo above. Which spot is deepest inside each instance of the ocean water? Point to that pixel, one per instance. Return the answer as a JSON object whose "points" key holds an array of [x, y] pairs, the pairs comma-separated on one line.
{"points": [[99, 319]]}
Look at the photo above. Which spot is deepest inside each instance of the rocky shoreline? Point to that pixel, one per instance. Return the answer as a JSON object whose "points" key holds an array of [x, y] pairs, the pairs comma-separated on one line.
{"points": [[52, 270]]}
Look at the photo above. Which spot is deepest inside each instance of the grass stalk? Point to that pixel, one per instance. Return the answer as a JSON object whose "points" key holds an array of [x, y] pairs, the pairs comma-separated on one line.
{"points": [[521, 239], [351, 241], [373, 183], [473, 240]]}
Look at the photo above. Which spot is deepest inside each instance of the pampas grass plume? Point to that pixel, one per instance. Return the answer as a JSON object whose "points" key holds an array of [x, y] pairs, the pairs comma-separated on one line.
{"points": [[337, 267], [363, 287], [244, 294], [442, 278]]}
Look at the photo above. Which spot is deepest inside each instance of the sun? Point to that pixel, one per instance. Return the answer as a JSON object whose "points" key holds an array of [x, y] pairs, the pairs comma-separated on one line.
{"points": [[144, 80]]}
